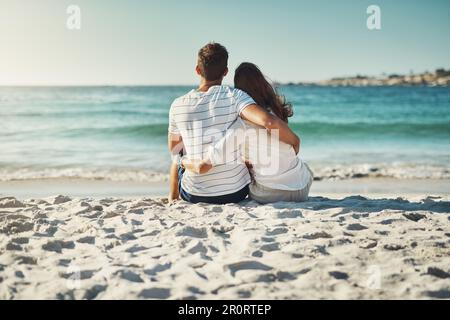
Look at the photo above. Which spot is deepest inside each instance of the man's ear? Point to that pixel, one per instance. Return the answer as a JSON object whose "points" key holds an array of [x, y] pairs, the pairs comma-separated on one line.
{"points": [[197, 69], [225, 73]]}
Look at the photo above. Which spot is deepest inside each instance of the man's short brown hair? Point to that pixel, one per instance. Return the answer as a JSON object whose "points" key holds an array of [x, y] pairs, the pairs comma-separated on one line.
{"points": [[212, 61]]}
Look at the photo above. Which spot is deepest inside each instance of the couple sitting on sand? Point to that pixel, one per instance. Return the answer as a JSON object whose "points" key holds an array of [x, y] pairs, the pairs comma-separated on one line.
{"points": [[230, 143]]}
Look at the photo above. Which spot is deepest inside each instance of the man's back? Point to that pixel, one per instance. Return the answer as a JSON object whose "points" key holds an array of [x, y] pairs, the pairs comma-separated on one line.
{"points": [[201, 118]]}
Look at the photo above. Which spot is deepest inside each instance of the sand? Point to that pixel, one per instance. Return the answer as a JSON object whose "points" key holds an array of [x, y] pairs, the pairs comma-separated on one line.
{"points": [[122, 248]]}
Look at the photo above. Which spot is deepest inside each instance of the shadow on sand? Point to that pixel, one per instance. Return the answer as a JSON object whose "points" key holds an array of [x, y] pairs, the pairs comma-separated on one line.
{"points": [[365, 205]]}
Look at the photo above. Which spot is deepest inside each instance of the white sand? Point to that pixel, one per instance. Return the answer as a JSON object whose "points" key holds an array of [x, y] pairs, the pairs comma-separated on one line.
{"points": [[142, 248]]}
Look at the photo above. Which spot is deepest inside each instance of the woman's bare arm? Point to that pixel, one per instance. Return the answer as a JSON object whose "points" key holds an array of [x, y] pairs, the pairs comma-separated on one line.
{"points": [[257, 115]]}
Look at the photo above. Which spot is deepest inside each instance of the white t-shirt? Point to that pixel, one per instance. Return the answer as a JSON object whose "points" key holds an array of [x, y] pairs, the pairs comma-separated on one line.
{"points": [[275, 164], [202, 118]]}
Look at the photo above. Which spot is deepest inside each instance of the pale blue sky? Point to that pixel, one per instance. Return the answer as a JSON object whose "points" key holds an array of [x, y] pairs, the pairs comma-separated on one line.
{"points": [[156, 41]]}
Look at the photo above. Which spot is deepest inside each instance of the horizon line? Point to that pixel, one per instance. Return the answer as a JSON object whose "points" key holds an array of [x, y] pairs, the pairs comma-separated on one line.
{"points": [[225, 83]]}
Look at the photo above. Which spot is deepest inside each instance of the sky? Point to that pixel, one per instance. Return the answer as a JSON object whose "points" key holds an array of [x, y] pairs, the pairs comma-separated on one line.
{"points": [[155, 42]]}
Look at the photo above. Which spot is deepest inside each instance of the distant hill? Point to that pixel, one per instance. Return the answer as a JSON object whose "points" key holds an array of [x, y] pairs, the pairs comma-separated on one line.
{"points": [[440, 77]]}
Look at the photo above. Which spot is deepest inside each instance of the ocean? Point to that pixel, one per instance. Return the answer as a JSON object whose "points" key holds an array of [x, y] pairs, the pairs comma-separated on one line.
{"points": [[120, 133]]}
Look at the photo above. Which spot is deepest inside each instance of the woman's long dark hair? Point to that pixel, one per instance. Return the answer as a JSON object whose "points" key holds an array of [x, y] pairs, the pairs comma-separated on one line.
{"points": [[250, 79]]}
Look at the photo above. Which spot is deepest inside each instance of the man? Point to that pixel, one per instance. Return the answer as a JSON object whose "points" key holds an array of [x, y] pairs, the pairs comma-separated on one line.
{"points": [[201, 117]]}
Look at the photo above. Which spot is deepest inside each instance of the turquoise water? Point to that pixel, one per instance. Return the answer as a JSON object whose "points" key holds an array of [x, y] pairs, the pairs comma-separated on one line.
{"points": [[107, 132]]}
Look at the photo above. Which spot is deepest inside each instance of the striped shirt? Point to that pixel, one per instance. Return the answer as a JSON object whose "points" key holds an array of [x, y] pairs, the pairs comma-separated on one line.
{"points": [[202, 118]]}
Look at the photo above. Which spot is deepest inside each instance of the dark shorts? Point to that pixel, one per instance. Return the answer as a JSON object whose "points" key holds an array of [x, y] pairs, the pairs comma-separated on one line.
{"points": [[228, 198]]}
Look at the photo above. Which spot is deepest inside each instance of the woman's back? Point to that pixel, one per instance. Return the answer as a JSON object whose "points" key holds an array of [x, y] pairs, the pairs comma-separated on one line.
{"points": [[274, 164]]}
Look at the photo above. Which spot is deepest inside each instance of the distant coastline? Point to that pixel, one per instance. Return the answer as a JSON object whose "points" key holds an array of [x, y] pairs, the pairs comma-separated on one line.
{"points": [[438, 78]]}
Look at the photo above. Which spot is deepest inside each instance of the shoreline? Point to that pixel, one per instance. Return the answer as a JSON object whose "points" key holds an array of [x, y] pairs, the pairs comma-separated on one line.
{"points": [[369, 187], [437, 78]]}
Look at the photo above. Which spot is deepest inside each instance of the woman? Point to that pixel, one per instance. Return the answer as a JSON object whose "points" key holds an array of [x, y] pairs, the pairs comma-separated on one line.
{"points": [[278, 173]]}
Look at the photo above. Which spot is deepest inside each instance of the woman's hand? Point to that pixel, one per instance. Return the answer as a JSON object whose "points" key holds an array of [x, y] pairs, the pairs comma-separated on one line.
{"points": [[197, 166]]}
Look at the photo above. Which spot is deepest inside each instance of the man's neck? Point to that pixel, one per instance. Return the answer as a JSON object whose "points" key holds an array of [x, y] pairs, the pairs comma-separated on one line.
{"points": [[205, 85]]}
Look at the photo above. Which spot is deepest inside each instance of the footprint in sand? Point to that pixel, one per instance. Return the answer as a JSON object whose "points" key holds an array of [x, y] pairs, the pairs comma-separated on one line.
{"points": [[389, 221], [317, 235], [10, 202], [26, 260], [127, 236], [109, 230], [279, 276], [358, 215], [289, 214], [244, 294], [18, 226], [158, 268], [216, 209], [13, 247], [277, 231], [196, 290], [382, 232], [368, 244], [155, 293], [135, 248], [193, 232], [257, 254], [139, 211], [82, 275], [267, 239], [58, 245], [246, 265], [394, 247], [61, 199], [198, 247], [338, 275], [151, 233], [64, 262], [414, 216], [87, 240], [356, 227], [136, 222], [129, 275], [268, 277], [319, 250], [339, 242], [46, 231], [439, 273], [94, 291], [109, 215], [270, 247], [222, 228], [285, 276], [439, 294]]}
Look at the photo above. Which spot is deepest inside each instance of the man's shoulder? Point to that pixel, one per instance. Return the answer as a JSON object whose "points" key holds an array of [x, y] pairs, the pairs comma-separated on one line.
{"points": [[231, 90], [193, 96], [239, 93], [184, 99]]}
